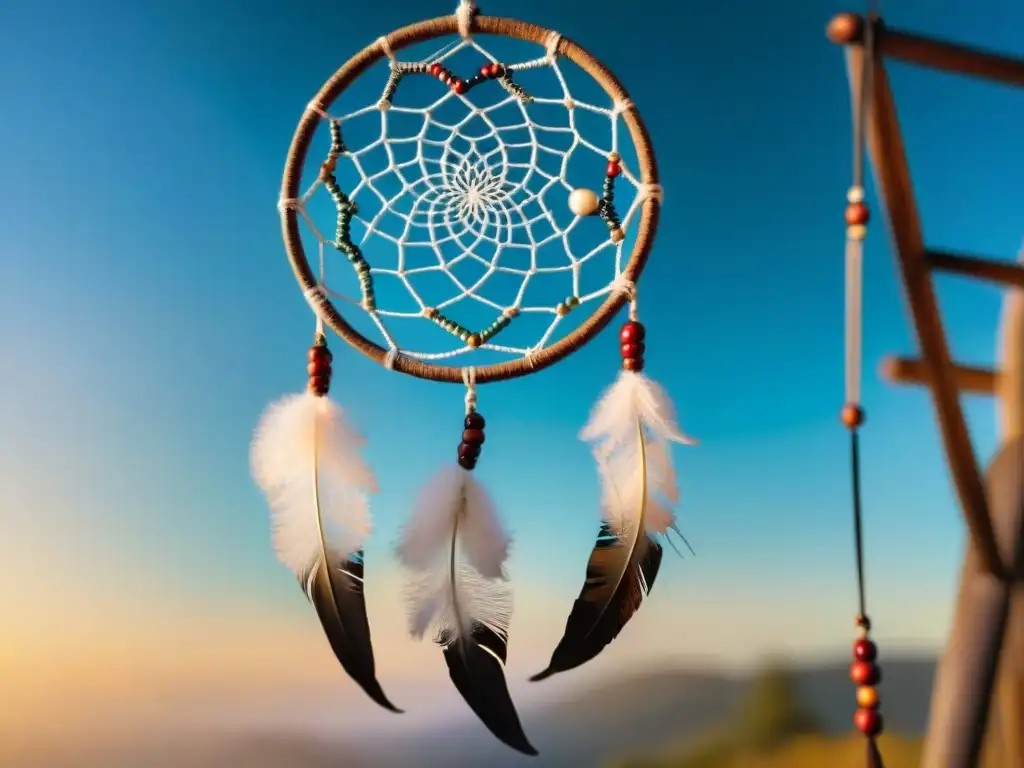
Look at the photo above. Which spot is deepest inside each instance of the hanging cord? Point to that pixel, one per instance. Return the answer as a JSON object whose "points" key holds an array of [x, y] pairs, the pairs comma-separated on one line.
{"points": [[864, 671], [320, 283], [858, 528], [857, 216]]}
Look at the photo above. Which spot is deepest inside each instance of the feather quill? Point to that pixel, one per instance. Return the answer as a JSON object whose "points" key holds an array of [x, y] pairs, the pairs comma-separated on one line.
{"points": [[631, 428], [305, 458], [454, 548]]}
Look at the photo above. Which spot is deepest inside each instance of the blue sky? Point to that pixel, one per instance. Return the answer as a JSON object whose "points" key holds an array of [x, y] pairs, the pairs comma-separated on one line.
{"points": [[149, 314]]}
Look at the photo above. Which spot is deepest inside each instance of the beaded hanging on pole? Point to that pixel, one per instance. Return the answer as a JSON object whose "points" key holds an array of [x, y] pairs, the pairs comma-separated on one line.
{"points": [[464, 186], [864, 671]]}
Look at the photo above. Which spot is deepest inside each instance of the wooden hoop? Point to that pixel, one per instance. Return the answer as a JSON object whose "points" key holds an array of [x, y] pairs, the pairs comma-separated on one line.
{"points": [[429, 30]]}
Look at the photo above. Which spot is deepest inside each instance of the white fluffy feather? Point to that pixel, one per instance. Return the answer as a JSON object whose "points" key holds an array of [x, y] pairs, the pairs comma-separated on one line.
{"points": [[636, 408], [304, 452], [633, 396], [454, 511]]}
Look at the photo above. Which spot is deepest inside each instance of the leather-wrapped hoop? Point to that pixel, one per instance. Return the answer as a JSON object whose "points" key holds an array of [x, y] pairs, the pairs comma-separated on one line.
{"points": [[428, 30]]}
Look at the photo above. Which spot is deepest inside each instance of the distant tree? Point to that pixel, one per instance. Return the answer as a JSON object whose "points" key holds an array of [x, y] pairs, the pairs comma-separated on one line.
{"points": [[771, 712]]}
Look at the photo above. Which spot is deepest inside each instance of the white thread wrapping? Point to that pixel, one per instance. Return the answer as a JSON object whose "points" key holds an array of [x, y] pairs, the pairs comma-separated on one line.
{"points": [[554, 38], [316, 299], [653, 192], [439, 197], [466, 11], [390, 358], [469, 379], [627, 287], [317, 109], [386, 47]]}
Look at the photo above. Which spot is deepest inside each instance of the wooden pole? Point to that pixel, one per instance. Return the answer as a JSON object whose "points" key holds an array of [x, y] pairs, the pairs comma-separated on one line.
{"points": [[966, 678], [1009, 697]]}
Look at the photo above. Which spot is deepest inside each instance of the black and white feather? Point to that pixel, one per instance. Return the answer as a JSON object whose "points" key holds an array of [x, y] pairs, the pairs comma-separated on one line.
{"points": [[454, 549], [305, 458], [631, 429]]}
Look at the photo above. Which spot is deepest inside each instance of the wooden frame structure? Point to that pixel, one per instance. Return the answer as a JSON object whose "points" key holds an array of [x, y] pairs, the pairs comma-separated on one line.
{"points": [[993, 573]]}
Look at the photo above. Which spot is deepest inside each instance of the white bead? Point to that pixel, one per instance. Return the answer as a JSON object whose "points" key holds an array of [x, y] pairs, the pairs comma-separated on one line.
{"points": [[855, 195], [583, 202]]}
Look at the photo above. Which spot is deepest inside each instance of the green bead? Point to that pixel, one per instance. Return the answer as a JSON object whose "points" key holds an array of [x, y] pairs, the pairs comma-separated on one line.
{"points": [[572, 301]]}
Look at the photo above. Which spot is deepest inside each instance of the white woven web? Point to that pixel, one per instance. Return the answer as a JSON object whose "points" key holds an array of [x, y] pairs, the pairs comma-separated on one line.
{"points": [[475, 199]]}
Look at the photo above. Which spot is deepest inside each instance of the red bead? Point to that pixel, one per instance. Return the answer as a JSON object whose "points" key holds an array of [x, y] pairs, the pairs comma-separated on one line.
{"points": [[459, 86], [467, 463], [631, 331], [469, 450], [857, 214], [635, 364], [495, 70], [632, 349], [864, 673], [614, 169], [475, 436], [319, 385], [475, 421], [436, 69], [864, 650], [319, 353], [853, 416], [485, 70], [868, 721], [319, 367]]}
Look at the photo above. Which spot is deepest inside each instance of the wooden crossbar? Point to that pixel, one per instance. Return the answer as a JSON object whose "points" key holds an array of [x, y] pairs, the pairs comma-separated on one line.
{"points": [[848, 29], [969, 380], [1002, 272]]}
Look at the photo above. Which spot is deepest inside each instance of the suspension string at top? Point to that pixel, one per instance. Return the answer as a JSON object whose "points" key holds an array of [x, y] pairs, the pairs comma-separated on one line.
{"points": [[469, 379], [464, 13]]}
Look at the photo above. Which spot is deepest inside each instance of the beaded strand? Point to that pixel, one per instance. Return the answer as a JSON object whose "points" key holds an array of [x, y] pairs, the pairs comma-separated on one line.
{"points": [[606, 207], [346, 209]]}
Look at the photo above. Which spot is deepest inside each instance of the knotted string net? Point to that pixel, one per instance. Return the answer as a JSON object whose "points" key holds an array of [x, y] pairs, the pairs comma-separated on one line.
{"points": [[445, 184]]}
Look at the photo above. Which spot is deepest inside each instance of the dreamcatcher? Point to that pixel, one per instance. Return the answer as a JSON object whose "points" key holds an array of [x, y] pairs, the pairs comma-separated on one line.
{"points": [[469, 191], [864, 671]]}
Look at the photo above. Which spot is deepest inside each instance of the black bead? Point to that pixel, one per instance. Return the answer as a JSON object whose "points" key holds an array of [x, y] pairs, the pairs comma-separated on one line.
{"points": [[475, 421], [467, 463]]}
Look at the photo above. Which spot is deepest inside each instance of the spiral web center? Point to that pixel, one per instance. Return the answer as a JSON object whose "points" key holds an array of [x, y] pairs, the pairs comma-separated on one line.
{"points": [[475, 191]]}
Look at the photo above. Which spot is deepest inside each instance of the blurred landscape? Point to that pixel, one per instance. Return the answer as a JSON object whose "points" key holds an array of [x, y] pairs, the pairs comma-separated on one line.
{"points": [[683, 718]]}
